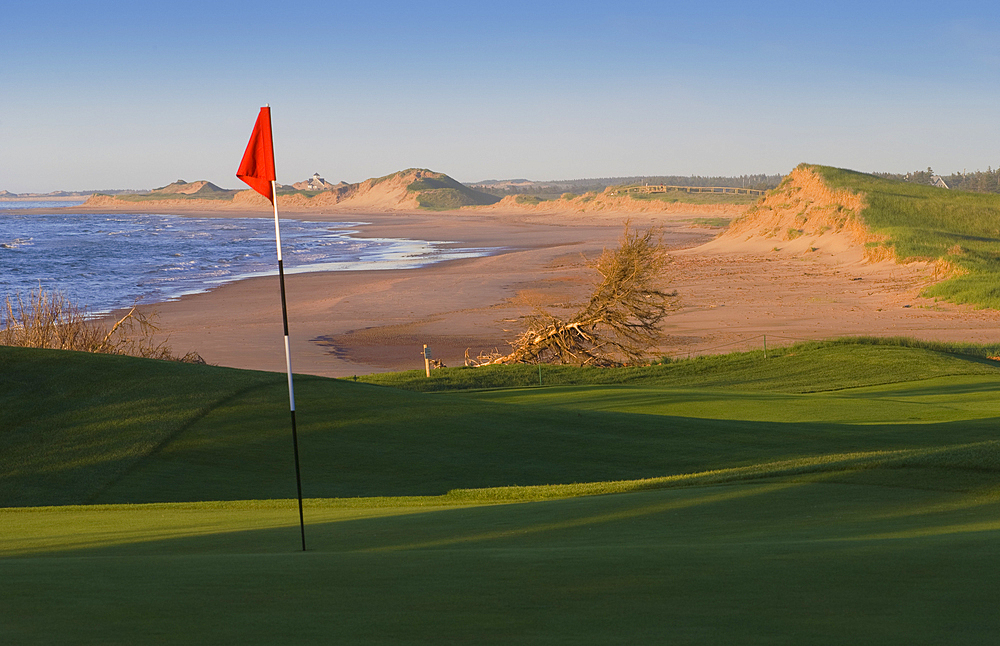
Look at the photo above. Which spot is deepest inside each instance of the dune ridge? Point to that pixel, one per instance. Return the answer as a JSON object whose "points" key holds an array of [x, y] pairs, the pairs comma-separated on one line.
{"points": [[407, 190], [803, 215], [387, 193], [188, 188], [610, 202]]}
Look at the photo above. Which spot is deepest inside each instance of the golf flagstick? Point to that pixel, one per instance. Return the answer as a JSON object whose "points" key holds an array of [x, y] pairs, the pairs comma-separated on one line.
{"points": [[257, 171]]}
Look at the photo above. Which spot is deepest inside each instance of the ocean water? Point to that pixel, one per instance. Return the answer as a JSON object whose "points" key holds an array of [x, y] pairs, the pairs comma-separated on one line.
{"points": [[37, 204], [106, 261]]}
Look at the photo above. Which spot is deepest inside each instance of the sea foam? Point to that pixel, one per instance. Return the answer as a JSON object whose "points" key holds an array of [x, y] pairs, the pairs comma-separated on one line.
{"points": [[107, 261]]}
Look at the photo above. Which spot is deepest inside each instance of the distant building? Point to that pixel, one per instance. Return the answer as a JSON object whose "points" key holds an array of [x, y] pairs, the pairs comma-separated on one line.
{"points": [[937, 180], [314, 183]]}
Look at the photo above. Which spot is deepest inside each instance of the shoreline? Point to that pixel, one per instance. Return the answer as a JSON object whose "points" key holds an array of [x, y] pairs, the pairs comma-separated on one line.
{"points": [[345, 323], [47, 198]]}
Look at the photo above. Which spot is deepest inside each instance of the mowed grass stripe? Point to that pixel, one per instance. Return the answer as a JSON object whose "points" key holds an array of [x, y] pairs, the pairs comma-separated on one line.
{"points": [[810, 367], [39, 530], [151, 529], [934, 400]]}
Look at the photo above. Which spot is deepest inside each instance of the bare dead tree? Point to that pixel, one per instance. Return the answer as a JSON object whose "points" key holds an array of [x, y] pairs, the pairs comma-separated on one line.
{"points": [[619, 324]]}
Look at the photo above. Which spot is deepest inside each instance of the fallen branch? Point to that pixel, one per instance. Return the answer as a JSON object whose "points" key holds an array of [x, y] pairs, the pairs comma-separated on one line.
{"points": [[620, 322]]}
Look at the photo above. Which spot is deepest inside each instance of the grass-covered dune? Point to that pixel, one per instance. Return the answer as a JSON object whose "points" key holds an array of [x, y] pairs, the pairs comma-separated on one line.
{"points": [[928, 223], [200, 190], [438, 192], [830, 493]]}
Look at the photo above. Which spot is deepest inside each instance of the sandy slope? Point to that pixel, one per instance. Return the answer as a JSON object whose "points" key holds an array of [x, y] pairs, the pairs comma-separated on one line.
{"points": [[798, 266]]}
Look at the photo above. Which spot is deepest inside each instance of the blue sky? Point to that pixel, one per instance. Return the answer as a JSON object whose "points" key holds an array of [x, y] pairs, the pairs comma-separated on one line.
{"points": [[128, 95]]}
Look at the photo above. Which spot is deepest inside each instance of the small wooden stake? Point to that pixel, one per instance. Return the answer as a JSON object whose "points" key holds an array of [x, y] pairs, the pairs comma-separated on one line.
{"points": [[427, 361]]}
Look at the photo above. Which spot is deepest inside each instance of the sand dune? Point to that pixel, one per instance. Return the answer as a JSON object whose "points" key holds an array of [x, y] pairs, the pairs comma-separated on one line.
{"points": [[403, 192]]}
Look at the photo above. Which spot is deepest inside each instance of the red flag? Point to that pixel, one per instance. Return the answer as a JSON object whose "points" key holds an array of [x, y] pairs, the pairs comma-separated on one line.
{"points": [[257, 167]]}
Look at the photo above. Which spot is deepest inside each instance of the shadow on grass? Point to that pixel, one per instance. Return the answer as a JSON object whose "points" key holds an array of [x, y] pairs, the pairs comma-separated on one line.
{"points": [[845, 505], [789, 561], [985, 387]]}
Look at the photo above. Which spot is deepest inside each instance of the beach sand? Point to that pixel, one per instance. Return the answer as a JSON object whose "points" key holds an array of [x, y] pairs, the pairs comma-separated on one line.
{"points": [[358, 322], [730, 294]]}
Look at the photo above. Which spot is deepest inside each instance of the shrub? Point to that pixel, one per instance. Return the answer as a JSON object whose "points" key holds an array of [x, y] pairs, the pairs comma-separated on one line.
{"points": [[50, 320]]}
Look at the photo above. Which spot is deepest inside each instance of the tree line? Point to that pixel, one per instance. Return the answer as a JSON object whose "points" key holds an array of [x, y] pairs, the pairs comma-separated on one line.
{"points": [[987, 181], [596, 185]]}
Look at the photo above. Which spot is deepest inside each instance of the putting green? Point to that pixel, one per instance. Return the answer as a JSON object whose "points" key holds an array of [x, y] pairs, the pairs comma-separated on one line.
{"points": [[783, 561]]}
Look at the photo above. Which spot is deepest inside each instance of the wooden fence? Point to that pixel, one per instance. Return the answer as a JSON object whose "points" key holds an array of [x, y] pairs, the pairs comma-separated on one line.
{"points": [[661, 188]]}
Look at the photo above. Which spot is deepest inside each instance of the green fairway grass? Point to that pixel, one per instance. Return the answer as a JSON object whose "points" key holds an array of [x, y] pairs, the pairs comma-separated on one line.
{"points": [[85, 428], [831, 493], [850, 362]]}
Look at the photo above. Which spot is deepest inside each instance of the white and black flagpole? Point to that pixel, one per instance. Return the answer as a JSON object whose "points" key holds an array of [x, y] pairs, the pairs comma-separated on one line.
{"points": [[288, 361], [257, 171]]}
